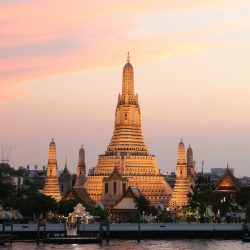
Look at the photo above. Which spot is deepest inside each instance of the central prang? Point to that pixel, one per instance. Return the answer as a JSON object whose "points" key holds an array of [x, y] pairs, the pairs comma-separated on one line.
{"points": [[127, 162]]}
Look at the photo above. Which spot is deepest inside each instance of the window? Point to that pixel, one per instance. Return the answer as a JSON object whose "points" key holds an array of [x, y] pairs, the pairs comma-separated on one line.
{"points": [[62, 188], [114, 187], [106, 188], [50, 172], [123, 187], [126, 116]]}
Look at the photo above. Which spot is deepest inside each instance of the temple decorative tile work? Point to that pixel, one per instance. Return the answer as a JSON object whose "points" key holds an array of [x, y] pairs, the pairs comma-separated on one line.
{"points": [[127, 151], [185, 177], [51, 187]]}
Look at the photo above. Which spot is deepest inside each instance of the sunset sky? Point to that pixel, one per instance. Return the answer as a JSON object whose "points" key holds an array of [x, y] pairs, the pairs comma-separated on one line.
{"points": [[61, 71]]}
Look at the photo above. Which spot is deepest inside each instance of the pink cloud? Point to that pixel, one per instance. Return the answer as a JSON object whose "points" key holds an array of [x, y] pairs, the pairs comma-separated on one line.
{"points": [[41, 38]]}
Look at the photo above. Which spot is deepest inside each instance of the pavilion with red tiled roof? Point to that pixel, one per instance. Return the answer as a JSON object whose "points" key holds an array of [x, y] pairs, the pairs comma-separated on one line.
{"points": [[228, 183], [81, 194], [126, 205]]}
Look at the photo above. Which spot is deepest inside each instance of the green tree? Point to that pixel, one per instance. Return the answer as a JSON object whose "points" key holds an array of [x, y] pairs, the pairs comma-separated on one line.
{"points": [[21, 171], [7, 190], [142, 204], [5, 168], [243, 197], [248, 213], [67, 206], [37, 203], [97, 211], [202, 194]]}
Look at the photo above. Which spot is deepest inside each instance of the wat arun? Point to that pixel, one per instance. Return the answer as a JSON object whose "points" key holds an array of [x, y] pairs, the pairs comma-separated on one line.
{"points": [[127, 152]]}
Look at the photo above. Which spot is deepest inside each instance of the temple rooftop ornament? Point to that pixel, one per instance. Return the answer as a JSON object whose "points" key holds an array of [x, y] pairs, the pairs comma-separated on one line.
{"points": [[228, 183]]}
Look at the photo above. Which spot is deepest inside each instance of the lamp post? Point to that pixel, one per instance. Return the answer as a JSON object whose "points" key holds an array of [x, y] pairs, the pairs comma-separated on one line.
{"points": [[143, 216], [107, 226], [223, 200], [139, 227]]}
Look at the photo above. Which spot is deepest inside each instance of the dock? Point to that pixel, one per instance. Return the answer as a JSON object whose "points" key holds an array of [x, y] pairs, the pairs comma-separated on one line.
{"points": [[73, 240], [6, 235], [88, 233], [6, 238], [246, 233]]}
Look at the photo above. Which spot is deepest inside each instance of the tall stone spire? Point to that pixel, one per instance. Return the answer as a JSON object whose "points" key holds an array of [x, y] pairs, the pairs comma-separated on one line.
{"points": [[128, 78], [181, 153], [190, 160], [127, 136], [51, 187], [182, 183], [81, 169], [128, 153], [191, 166], [181, 168]]}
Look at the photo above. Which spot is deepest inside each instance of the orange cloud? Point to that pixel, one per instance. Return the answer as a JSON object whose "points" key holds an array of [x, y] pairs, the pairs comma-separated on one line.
{"points": [[41, 38], [11, 92]]}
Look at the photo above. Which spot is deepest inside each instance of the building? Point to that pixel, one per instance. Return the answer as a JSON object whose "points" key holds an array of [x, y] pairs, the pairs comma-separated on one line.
{"points": [[190, 167], [128, 152], [51, 187], [79, 189], [114, 187], [16, 181], [185, 179], [220, 171], [228, 183], [170, 179], [244, 181], [65, 181], [126, 206], [81, 169]]}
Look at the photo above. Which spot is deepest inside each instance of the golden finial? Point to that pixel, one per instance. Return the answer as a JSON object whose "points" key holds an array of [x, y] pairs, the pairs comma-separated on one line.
{"points": [[52, 139], [128, 58]]}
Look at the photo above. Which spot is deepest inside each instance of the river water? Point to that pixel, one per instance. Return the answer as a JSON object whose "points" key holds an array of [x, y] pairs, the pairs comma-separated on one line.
{"points": [[145, 244]]}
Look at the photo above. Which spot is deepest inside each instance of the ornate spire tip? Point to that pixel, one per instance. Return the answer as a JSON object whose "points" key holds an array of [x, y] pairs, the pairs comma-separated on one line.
{"points": [[128, 58]]}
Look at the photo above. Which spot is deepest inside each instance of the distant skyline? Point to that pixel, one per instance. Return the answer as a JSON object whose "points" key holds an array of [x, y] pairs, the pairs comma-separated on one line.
{"points": [[61, 72]]}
